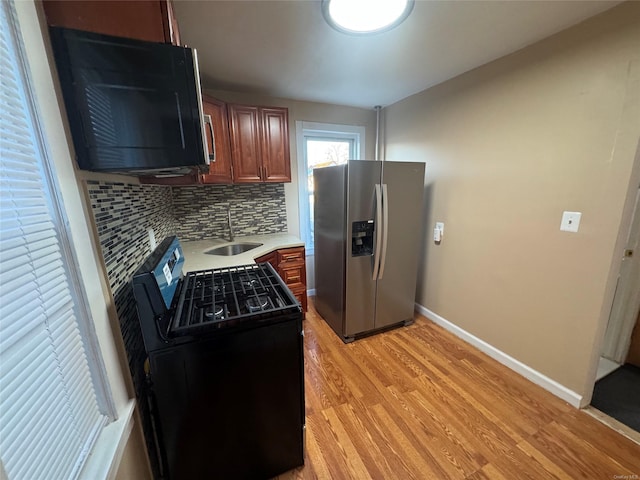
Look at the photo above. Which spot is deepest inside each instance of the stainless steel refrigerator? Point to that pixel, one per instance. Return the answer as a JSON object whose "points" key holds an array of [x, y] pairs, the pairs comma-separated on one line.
{"points": [[367, 230]]}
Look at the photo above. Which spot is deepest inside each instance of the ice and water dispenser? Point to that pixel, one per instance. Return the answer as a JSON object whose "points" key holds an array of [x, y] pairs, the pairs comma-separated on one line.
{"points": [[362, 238]]}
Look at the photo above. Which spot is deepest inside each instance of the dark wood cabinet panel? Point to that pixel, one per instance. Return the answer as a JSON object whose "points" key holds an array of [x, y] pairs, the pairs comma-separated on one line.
{"points": [[150, 20], [275, 145], [290, 256], [219, 170], [170, 22], [270, 258], [301, 295], [244, 124], [259, 144], [292, 275], [290, 265]]}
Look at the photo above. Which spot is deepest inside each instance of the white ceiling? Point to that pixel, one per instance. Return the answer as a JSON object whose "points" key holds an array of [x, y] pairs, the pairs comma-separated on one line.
{"points": [[286, 49]]}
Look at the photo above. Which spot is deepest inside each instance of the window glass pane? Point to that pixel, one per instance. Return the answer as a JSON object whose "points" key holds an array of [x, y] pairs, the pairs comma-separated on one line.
{"points": [[321, 152]]}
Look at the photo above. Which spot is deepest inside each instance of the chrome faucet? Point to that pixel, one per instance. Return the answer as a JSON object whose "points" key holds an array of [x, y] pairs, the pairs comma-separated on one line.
{"points": [[229, 223]]}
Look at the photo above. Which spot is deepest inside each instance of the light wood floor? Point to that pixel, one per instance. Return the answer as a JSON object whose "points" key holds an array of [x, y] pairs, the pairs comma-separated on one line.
{"points": [[416, 402]]}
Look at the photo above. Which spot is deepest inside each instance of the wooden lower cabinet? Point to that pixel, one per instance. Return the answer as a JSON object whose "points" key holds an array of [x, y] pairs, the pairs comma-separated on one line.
{"points": [[290, 265]]}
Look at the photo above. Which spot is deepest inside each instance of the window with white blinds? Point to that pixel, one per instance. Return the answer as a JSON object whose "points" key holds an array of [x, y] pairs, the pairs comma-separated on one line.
{"points": [[49, 415]]}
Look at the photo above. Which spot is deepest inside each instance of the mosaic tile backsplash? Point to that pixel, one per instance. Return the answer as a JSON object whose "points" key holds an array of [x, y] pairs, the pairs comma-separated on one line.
{"points": [[255, 209], [123, 213]]}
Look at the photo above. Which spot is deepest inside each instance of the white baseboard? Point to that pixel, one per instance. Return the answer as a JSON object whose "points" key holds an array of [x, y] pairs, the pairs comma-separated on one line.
{"points": [[311, 292], [529, 373]]}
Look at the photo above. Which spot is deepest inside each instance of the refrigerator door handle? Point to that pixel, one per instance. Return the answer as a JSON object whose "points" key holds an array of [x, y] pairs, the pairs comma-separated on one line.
{"points": [[378, 227], [385, 229]]}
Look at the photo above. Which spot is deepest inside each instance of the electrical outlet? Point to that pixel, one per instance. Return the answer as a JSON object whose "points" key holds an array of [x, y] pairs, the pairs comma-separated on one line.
{"points": [[570, 221], [438, 231]]}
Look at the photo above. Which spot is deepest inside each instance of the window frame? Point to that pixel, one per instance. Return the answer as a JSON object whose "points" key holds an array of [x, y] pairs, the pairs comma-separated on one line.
{"points": [[320, 131], [97, 370]]}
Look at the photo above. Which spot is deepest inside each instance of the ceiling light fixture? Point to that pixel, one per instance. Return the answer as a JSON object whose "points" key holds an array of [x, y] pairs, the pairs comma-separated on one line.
{"points": [[365, 17]]}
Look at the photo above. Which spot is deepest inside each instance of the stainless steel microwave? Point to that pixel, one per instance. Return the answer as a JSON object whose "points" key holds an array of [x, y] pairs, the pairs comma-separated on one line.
{"points": [[133, 107]]}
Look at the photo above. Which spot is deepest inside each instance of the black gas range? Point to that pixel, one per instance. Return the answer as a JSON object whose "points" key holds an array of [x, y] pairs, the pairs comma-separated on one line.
{"points": [[225, 370]]}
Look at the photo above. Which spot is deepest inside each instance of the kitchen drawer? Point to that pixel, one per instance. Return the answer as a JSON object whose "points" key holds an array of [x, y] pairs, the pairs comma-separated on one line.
{"points": [[300, 292], [290, 265], [290, 256], [293, 275]]}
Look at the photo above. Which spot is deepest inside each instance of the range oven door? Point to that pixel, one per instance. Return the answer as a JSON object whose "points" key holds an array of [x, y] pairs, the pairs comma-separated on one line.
{"points": [[231, 404]]}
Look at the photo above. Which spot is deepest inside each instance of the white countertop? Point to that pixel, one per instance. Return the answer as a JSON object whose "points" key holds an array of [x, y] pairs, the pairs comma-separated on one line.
{"points": [[196, 259]]}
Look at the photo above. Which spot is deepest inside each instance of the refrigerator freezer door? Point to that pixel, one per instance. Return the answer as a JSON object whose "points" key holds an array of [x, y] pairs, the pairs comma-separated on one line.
{"points": [[395, 296], [360, 298], [330, 204]]}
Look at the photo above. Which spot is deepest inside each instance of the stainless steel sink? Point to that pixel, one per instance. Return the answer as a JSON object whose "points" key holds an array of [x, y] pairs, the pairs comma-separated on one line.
{"points": [[233, 249]]}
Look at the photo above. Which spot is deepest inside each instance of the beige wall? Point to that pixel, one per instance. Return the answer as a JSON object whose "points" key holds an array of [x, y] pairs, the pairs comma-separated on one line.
{"points": [[306, 112], [508, 147], [134, 464]]}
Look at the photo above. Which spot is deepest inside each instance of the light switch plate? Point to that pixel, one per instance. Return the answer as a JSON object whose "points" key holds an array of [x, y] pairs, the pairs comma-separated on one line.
{"points": [[570, 221]]}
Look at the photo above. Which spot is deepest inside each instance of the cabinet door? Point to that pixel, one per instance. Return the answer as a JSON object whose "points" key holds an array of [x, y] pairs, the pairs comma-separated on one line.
{"points": [[275, 145], [170, 23], [291, 256], [244, 123], [220, 169], [269, 257], [142, 20]]}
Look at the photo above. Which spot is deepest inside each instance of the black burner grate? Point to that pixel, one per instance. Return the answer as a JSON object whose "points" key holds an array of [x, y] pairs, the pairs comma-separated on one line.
{"points": [[222, 297]]}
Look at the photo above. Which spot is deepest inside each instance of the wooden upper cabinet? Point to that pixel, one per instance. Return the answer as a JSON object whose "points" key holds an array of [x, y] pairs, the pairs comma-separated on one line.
{"points": [[171, 30], [259, 144], [220, 169], [244, 123], [275, 145], [150, 20]]}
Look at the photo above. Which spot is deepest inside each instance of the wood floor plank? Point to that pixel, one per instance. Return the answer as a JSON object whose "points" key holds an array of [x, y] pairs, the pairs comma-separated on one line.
{"points": [[418, 403], [549, 465], [396, 433], [485, 389], [450, 451], [370, 444], [354, 458], [577, 456], [608, 441], [467, 392], [488, 472]]}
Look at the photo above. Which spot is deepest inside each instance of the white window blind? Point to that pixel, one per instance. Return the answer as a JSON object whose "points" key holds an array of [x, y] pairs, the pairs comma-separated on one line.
{"points": [[49, 416]]}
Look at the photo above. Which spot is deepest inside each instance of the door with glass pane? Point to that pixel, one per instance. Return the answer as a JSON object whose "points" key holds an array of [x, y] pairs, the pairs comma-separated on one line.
{"points": [[323, 151]]}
